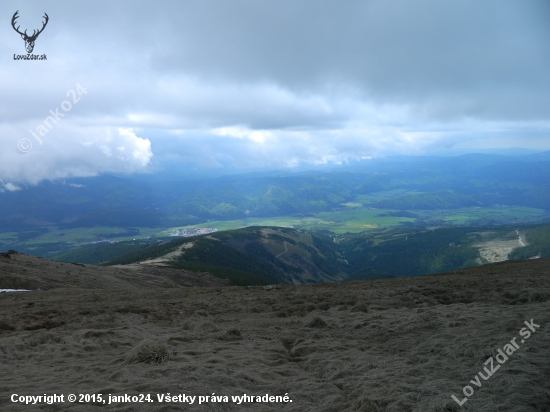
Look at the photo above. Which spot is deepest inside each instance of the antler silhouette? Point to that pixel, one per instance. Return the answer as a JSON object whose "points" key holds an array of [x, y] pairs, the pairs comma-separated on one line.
{"points": [[15, 17], [43, 26], [29, 40]]}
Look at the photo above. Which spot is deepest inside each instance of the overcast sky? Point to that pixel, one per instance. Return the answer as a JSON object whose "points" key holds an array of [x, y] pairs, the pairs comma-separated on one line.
{"points": [[257, 83]]}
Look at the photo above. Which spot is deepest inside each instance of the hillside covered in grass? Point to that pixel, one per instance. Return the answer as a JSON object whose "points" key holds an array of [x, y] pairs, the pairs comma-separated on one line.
{"points": [[371, 346]]}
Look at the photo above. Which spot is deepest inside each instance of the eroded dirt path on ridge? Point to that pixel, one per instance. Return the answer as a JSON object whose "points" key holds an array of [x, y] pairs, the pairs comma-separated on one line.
{"points": [[169, 257]]}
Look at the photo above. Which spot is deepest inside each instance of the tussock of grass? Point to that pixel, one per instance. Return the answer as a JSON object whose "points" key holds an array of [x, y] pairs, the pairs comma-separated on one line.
{"points": [[5, 326], [317, 322], [232, 334], [536, 297], [147, 352], [360, 307], [45, 325]]}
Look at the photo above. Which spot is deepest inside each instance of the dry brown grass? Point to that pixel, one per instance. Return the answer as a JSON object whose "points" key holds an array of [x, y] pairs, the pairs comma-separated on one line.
{"points": [[387, 345], [148, 352]]}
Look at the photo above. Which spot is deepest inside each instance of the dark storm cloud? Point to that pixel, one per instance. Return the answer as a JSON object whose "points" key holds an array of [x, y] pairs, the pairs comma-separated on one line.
{"points": [[460, 57], [272, 82]]}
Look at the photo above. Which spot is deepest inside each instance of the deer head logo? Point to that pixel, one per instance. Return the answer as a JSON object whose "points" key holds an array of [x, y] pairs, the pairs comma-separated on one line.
{"points": [[29, 40]]}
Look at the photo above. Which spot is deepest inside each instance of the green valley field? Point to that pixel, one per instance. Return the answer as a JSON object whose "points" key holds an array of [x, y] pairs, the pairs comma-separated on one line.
{"points": [[354, 219]]}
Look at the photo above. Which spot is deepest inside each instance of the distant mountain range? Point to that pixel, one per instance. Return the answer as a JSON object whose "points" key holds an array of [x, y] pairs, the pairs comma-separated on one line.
{"points": [[159, 201]]}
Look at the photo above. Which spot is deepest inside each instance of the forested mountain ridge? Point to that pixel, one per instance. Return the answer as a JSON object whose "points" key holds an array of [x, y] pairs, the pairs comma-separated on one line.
{"points": [[156, 202], [262, 255]]}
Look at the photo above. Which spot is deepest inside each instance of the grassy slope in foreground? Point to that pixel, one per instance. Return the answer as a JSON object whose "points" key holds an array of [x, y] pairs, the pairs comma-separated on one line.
{"points": [[397, 344]]}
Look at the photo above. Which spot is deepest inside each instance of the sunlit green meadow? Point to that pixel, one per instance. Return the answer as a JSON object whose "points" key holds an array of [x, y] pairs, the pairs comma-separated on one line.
{"points": [[348, 220], [353, 219]]}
